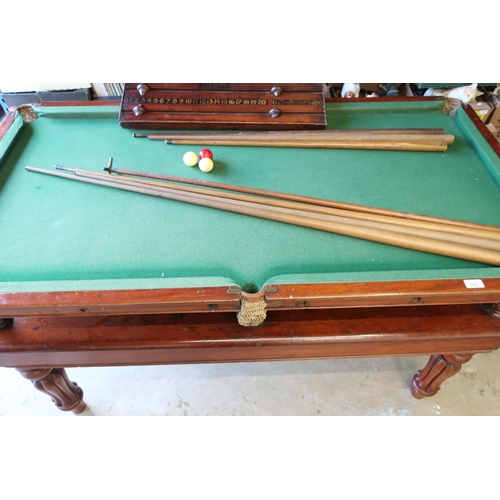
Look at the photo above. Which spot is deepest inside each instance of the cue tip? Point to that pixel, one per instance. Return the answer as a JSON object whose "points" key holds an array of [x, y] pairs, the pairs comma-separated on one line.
{"points": [[135, 134]]}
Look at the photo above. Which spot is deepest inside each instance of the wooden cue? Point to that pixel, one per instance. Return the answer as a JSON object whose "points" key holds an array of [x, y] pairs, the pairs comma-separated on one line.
{"points": [[474, 237], [486, 241], [303, 199], [385, 139], [313, 137], [310, 133], [382, 236], [310, 136], [386, 145]]}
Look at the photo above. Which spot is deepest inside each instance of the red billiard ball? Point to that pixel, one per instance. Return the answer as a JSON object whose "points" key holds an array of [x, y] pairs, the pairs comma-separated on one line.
{"points": [[205, 153]]}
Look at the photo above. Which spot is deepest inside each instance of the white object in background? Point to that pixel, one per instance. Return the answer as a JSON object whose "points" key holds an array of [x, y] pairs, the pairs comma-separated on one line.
{"points": [[350, 90], [108, 89]]}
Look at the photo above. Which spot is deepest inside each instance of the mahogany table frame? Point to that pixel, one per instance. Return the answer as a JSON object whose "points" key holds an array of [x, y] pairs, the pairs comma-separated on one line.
{"points": [[42, 347]]}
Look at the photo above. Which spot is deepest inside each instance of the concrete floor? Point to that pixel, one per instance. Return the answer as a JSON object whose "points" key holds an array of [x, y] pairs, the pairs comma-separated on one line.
{"points": [[351, 387]]}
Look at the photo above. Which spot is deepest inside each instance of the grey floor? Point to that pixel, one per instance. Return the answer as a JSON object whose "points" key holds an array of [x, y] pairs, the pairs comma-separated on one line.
{"points": [[351, 387]]}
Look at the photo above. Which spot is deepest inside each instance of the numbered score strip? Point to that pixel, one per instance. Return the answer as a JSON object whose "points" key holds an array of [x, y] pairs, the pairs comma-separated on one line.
{"points": [[474, 284]]}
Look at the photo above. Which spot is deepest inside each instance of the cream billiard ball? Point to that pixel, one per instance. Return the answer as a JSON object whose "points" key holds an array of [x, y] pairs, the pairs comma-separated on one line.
{"points": [[190, 159], [206, 164]]}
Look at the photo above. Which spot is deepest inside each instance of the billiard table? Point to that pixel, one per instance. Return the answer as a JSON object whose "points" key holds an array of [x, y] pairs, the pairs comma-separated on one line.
{"points": [[92, 276]]}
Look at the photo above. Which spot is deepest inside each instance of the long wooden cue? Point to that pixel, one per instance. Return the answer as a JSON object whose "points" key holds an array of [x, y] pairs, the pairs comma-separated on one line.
{"points": [[291, 133], [404, 139], [310, 136], [270, 137], [486, 240], [474, 237], [253, 209], [302, 199], [385, 139], [375, 144]]}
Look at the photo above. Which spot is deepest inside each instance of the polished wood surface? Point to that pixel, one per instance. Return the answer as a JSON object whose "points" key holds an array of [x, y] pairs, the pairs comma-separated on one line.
{"points": [[6, 123], [439, 368], [224, 299], [222, 106], [54, 382], [217, 337], [40, 346]]}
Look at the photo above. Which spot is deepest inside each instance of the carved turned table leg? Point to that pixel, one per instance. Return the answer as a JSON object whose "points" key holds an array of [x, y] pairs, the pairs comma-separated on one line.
{"points": [[66, 395], [439, 368]]}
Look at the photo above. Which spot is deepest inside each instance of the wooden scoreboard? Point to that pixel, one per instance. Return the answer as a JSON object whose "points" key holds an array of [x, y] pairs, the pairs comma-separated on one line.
{"points": [[223, 106]]}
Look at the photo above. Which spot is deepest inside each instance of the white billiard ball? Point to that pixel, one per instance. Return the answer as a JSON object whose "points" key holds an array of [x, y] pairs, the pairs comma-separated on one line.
{"points": [[206, 164], [190, 159]]}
